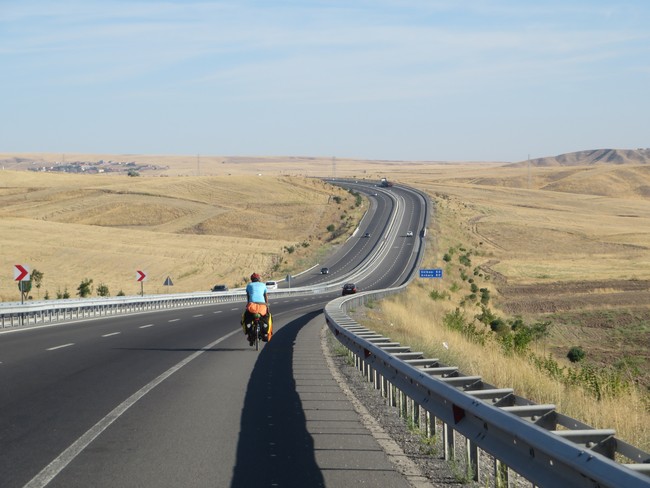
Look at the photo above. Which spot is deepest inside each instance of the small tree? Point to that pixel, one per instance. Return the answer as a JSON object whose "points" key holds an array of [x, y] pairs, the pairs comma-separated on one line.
{"points": [[576, 354], [37, 278], [102, 290], [85, 288]]}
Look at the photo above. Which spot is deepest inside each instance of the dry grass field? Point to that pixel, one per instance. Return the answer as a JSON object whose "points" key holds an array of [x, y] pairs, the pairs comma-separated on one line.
{"points": [[198, 230], [563, 243]]}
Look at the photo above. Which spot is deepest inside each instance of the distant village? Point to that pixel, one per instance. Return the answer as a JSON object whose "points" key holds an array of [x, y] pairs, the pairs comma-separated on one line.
{"points": [[95, 167]]}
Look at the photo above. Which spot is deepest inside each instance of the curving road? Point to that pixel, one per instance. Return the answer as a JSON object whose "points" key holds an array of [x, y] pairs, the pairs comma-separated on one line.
{"points": [[178, 398]]}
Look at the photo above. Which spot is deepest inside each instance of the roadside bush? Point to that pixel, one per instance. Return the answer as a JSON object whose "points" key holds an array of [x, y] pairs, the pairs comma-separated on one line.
{"points": [[439, 295], [576, 354], [102, 290], [485, 296], [85, 288]]}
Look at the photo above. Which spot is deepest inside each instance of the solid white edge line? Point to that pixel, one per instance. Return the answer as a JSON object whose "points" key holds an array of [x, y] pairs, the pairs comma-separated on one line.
{"points": [[50, 471]]}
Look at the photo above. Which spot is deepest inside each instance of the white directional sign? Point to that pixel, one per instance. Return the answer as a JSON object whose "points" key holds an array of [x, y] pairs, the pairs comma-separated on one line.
{"points": [[21, 273]]}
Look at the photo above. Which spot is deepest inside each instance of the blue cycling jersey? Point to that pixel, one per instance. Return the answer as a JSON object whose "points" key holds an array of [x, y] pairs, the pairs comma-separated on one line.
{"points": [[255, 291]]}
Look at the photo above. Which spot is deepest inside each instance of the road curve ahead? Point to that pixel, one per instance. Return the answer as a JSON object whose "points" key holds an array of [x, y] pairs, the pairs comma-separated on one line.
{"points": [[177, 398]]}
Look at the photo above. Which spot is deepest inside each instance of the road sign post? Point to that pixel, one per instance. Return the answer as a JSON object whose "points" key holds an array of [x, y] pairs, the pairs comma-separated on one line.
{"points": [[21, 273], [141, 276]]}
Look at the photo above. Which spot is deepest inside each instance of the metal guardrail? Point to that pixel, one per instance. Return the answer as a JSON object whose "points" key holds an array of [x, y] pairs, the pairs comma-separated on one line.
{"points": [[54, 311], [540, 444]]}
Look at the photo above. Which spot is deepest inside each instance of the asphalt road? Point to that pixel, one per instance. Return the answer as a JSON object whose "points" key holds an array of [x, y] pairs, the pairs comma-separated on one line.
{"points": [[177, 398]]}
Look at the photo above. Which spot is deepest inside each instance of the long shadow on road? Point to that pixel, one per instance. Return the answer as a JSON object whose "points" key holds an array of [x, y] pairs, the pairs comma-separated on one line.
{"points": [[275, 448]]}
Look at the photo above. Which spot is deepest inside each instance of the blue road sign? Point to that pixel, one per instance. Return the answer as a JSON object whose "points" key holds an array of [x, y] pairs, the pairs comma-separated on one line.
{"points": [[431, 273]]}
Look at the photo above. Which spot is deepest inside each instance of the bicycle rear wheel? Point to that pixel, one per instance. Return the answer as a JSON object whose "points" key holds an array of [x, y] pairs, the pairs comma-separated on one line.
{"points": [[257, 337]]}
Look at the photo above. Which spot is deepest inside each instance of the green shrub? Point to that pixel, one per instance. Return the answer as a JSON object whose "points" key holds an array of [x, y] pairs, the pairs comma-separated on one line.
{"points": [[576, 354]]}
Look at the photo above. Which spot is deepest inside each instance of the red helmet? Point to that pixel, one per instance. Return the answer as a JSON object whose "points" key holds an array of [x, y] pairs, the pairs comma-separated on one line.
{"points": [[255, 277]]}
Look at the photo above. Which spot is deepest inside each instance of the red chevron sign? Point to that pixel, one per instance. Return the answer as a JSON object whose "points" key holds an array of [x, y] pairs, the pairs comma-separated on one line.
{"points": [[21, 273], [140, 276]]}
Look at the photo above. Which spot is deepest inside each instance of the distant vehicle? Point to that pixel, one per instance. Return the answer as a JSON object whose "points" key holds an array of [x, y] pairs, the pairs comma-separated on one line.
{"points": [[324, 271], [271, 285], [385, 183], [409, 233], [367, 234], [219, 288], [375, 194], [349, 289]]}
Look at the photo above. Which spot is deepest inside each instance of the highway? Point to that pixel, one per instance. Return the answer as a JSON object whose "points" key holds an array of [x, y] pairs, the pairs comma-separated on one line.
{"points": [[178, 398]]}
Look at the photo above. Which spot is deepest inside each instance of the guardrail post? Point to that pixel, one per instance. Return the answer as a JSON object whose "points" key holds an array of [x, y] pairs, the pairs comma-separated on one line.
{"points": [[501, 477], [472, 455], [448, 442]]}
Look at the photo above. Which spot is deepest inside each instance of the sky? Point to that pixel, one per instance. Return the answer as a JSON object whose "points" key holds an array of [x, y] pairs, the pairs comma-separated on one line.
{"points": [[433, 80]]}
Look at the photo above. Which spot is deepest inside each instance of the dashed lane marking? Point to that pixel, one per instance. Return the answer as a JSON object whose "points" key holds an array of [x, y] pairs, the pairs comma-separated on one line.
{"points": [[173, 320], [146, 326], [49, 472], [111, 334], [60, 347]]}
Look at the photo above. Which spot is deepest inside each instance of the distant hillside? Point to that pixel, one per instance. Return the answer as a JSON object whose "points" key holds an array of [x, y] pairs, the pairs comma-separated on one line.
{"points": [[591, 157]]}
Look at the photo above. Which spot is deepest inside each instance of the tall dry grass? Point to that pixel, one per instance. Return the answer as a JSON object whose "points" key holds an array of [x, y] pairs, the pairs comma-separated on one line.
{"points": [[413, 318]]}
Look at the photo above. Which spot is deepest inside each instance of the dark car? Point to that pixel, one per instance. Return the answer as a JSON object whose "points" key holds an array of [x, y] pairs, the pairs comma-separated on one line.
{"points": [[349, 289], [219, 288], [324, 271], [367, 234]]}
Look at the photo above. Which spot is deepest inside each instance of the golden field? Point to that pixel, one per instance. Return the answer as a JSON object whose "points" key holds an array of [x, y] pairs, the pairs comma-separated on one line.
{"points": [[199, 231]]}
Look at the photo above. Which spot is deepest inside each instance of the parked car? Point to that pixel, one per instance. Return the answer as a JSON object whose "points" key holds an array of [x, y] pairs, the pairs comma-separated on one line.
{"points": [[271, 285], [409, 233], [219, 288], [349, 289], [324, 271]]}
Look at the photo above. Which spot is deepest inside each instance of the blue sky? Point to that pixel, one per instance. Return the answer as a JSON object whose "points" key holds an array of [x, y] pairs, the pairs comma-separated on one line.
{"points": [[383, 79]]}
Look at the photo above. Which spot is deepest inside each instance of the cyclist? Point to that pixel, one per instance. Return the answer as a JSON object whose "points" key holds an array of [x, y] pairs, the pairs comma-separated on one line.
{"points": [[257, 302]]}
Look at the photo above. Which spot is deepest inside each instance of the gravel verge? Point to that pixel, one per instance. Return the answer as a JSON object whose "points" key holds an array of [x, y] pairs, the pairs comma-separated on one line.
{"points": [[420, 460]]}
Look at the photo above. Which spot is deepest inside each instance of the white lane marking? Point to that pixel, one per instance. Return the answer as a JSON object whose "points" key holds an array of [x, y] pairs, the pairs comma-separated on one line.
{"points": [[173, 320], [60, 347], [199, 315], [234, 309], [145, 326], [49, 472], [111, 334], [218, 311]]}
